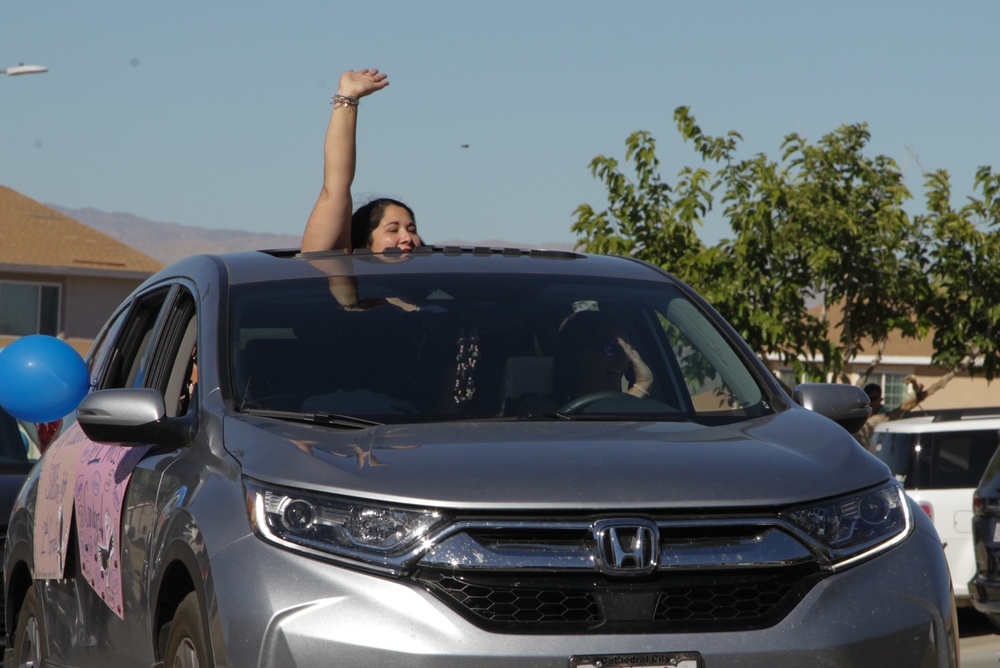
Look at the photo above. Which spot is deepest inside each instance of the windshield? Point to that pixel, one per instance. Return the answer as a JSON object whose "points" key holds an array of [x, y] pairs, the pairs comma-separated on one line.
{"points": [[419, 348]]}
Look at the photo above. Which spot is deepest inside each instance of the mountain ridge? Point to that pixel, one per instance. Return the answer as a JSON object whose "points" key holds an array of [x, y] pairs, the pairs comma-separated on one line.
{"points": [[169, 242]]}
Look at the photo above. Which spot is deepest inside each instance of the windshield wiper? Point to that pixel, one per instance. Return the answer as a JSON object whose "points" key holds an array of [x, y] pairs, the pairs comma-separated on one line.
{"points": [[328, 419]]}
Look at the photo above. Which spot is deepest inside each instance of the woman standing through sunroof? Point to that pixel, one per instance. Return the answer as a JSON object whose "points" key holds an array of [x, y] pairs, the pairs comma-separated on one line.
{"points": [[379, 224]]}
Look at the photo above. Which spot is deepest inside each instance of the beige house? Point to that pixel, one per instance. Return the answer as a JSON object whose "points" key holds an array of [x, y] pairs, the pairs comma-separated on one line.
{"points": [[58, 276], [905, 359]]}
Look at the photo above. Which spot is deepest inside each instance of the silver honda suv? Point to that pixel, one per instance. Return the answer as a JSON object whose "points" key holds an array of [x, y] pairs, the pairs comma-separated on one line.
{"points": [[458, 457]]}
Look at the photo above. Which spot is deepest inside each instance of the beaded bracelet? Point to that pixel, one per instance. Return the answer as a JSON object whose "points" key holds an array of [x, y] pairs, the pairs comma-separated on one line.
{"points": [[344, 101]]}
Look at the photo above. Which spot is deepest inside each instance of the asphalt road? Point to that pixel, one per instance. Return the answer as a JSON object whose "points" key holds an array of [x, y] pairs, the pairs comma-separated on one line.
{"points": [[979, 640]]}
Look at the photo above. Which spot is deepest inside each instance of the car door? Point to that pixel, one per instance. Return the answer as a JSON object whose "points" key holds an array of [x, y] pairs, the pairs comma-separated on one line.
{"points": [[959, 458], [102, 614]]}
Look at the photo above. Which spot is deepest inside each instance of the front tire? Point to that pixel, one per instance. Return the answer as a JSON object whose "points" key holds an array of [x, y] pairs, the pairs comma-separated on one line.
{"points": [[29, 638], [186, 644]]}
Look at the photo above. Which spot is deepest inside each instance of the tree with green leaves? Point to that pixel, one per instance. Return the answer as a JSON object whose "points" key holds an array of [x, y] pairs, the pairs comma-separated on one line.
{"points": [[963, 264], [824, 225]]}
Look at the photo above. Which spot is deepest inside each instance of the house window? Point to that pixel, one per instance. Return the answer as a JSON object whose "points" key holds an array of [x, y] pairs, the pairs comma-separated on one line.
{"points": [[893, 388], [28, 308], [787, 377]]}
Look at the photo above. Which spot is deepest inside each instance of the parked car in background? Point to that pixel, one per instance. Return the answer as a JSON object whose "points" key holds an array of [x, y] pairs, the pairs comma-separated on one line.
{"points": [[940, 457], [38, 436], [14, 467], [458, 457], [984, 588]]}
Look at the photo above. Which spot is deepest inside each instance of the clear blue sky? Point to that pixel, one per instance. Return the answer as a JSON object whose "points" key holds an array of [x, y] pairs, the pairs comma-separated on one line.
{"points": [[212, 114]]}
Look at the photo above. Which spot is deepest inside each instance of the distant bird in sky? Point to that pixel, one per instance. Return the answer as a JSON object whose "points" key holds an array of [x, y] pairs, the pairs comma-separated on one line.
{"points": [[465, 146]]}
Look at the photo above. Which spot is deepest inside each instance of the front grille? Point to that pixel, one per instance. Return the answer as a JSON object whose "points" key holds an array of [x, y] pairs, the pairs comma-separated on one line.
{"points": [[665, 601], [597, 575], [499, 602], [748, 597]]}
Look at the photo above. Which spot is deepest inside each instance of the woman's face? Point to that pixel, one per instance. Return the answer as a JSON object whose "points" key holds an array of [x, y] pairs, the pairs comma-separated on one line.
{"points": [[395, 230]]}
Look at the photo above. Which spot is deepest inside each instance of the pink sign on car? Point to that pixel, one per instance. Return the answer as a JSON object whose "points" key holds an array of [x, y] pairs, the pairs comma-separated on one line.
{"points": [[100, 475]]}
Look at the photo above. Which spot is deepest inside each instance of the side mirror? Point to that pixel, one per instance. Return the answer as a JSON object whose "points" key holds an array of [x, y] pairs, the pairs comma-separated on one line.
{"points": [[846, 405], [132, 416]]}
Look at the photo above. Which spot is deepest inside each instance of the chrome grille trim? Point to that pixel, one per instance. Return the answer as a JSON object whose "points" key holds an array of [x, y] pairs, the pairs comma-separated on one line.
{"points": [[463, 551], [568, 546], [523, 576], [771, 547]]}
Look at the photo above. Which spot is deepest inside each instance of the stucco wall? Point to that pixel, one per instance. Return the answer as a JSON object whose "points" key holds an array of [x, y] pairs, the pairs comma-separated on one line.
{"points": [[88, 303], [962, 391]]}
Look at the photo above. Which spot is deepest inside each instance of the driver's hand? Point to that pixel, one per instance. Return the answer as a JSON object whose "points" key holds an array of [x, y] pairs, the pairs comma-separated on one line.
{"points": [[643, 375]]}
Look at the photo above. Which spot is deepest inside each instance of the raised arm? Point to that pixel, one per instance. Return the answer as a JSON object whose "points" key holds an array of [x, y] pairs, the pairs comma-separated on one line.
{"points": [[329, 224]]}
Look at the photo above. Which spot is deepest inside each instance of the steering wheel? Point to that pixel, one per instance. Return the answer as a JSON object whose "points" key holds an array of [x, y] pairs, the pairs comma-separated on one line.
{"points": [[587, 400]]}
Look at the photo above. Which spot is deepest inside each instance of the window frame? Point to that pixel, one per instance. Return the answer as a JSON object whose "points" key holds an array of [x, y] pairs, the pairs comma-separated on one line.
{"points": [[57, 326], [141, 344], [893, 384], [130, 345]]}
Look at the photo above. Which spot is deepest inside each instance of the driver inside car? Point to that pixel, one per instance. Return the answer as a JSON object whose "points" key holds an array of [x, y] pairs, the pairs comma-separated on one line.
{"points": [[593, 355]]}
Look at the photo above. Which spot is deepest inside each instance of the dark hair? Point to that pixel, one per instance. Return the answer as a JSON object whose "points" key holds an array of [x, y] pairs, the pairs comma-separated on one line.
{"points": [[874, 391], [366, 219], [577, 332]]}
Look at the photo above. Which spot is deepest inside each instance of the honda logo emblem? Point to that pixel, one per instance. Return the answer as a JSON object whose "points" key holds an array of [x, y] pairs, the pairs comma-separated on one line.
{"points": [[627, 547]]}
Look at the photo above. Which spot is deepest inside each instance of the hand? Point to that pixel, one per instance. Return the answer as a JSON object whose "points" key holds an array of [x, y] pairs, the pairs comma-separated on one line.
{"points": [[361, 83], [643, 375]]}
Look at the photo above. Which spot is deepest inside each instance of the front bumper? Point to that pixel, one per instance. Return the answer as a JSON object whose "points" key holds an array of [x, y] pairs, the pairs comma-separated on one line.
{"points": [[279, 608]]}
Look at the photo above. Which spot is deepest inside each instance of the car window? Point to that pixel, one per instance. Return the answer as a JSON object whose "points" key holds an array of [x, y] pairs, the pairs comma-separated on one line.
{"points": [[173, 365], [939, 459], [446, 347], [713, 374], [961, 457], [127, 341], [898, 451], [103, 345], [152, 345]]}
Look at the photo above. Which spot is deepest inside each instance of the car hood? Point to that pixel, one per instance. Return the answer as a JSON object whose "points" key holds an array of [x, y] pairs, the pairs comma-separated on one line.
{"points": [[778, 460]]}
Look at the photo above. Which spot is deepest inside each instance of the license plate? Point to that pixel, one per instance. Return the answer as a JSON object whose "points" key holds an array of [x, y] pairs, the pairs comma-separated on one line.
{"points": [[996, 531], [654, 660]]}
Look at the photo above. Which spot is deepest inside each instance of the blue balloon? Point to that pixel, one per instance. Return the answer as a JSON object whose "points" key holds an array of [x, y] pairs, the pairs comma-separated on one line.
{"points": [[41, 378]]}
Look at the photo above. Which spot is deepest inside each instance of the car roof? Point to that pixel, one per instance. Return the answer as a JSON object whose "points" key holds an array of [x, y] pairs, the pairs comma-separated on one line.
{"points": [[941, 423], [256, 266]]}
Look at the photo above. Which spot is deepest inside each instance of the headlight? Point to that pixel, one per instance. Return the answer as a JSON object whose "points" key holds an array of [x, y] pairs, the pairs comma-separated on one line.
{"points": [[856, 526], [376, 535]]}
